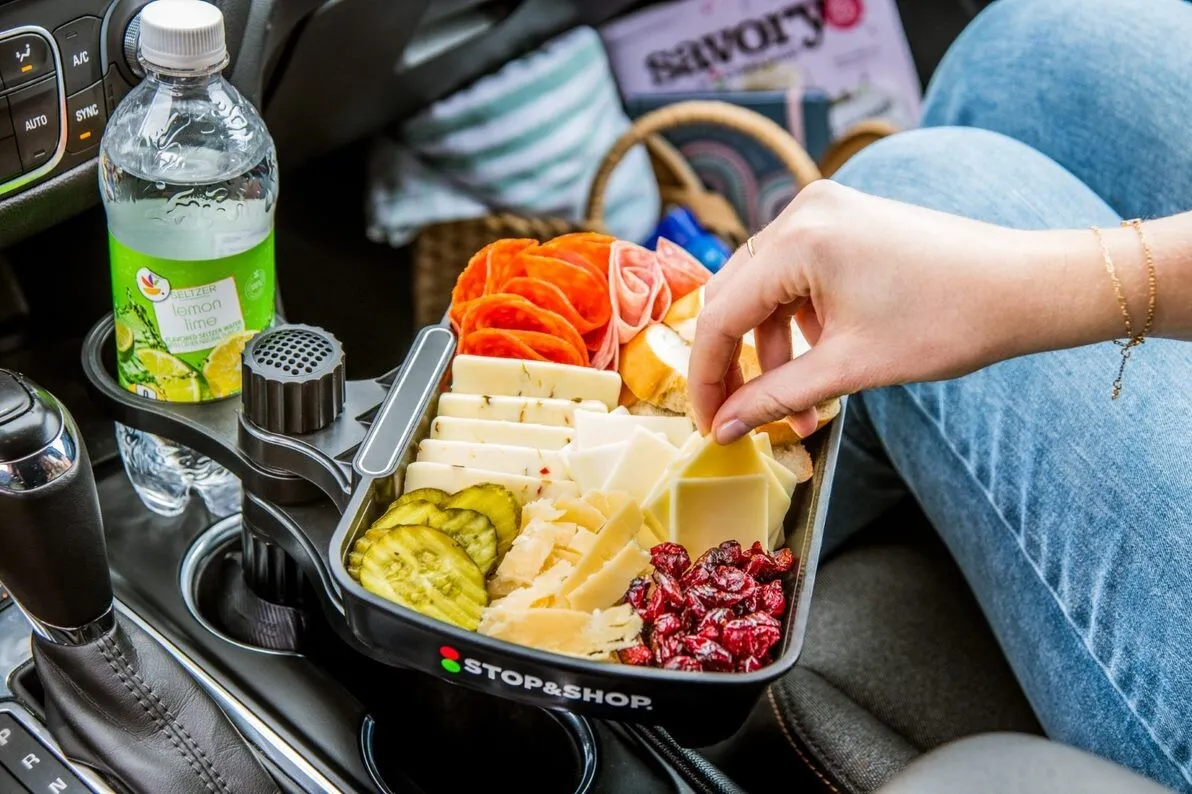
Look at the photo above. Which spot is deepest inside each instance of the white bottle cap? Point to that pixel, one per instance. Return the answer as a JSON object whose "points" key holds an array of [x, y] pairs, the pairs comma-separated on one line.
{"points": [[187, 35]]}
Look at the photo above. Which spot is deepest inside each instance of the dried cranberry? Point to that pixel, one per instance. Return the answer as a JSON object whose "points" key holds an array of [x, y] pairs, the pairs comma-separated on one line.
{"points": [[715, 617], [710, 654], [771, 599], [670, 558], [682, 663], [709, 595], [757, 548], [713, 557], [761, 566], [669, 588], [667, 623], [733, 553], [694, 609], [638, 593], [749, 663], [730, 579], [750, 603], [784, 558], [752, 635], [655, 606], [637, 655], [664, 648], [697, 574]]}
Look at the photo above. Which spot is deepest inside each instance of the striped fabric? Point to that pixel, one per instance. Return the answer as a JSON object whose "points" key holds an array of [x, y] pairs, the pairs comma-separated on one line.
{"points": [[525, 139]]}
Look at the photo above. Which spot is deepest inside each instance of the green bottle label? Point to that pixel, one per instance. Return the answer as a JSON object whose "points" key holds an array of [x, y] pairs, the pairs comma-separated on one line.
{"points": [[182, 325]]}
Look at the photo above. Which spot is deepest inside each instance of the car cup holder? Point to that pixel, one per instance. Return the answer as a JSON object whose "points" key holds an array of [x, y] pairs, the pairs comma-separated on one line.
{"points": [[320, 455]]}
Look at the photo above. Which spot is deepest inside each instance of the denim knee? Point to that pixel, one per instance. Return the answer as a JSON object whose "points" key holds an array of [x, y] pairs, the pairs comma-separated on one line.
{"points": [[1028, 46], [978, 174]]}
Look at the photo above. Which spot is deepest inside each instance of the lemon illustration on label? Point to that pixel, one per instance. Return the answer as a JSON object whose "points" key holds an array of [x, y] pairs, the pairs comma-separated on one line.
{"points": [[222, 369], [173, 380], [124, 337]]}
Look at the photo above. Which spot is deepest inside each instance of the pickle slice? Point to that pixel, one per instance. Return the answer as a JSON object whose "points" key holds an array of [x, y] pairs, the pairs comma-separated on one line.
{"points": [[497, 503], [432, 495], [398, 514], [356, 555], [471, 530], [425, 570]]}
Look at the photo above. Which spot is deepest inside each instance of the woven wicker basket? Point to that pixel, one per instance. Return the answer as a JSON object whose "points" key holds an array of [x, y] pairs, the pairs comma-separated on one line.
{"points": [[442, 250]]}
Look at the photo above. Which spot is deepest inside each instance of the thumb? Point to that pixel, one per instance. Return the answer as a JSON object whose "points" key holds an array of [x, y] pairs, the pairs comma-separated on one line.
{"points": [[787, 391]]}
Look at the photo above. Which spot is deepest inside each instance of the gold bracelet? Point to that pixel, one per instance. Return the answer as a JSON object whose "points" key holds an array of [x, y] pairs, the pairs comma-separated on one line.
{"points": [[1131, 340]]}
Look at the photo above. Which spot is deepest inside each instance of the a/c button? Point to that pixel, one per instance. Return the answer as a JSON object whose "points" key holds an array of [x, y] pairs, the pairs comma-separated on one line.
{"points": [[85, 116]]}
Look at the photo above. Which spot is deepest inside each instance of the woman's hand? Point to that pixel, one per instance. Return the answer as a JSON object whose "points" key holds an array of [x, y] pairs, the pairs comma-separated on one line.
{"points": [[887, 293]]}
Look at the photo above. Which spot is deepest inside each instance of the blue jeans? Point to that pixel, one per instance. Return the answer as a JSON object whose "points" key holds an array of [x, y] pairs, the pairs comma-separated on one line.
{"points": [[1070, 515]]}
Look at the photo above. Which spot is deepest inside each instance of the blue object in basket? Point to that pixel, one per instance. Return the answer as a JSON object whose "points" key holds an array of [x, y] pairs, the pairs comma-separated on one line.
{"points": [[681, 228]]}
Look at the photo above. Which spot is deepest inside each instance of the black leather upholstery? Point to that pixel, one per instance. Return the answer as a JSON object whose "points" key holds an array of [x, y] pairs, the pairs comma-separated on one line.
{"points": [[125, 707], [998, 763]]}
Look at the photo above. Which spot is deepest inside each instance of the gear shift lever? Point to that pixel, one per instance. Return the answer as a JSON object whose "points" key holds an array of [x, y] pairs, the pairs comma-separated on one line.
{"points": [[115, 699], [52, 555]]}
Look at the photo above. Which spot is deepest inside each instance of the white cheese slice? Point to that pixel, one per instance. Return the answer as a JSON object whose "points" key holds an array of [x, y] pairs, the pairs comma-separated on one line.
{"points": [[763, 443], [527, 410], [516, 378], [706, 512], [605, 587], [591, 467], [456, 478], [777, 504], [524, 461], [592, 429], [786, 478], [643, 460], [483, 431]]}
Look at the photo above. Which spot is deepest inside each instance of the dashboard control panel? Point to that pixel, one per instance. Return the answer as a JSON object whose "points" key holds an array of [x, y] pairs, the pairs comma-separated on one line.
{"points": [[59, 81]]}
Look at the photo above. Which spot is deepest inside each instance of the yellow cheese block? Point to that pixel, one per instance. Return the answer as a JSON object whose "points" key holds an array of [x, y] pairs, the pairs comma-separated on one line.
{"points": [[516, 378], [484, 431], [642, 462], [620, 529], [605, 587], [523, 461], [593, 429], [590, 467], [455, 478], [709, 459], [529, 410], [708, 511]]}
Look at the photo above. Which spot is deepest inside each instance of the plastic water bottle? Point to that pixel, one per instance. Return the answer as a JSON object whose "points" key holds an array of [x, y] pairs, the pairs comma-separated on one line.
{"points": [[188, 174]]}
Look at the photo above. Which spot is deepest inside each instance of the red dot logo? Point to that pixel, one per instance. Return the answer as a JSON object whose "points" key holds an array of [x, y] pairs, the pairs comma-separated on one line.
{"points": [[843, 14], [450, 660]]}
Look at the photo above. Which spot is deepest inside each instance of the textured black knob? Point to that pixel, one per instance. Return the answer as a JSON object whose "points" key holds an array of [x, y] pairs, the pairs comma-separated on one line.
{"points": [[293, 379]]}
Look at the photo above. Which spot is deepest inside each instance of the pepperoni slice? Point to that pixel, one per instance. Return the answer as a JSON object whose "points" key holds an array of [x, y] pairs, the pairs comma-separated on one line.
{"points": [[586, 249], [515, 313], [584, 290], [475, 278], [526, 345], [549, 297], [504, 262]]}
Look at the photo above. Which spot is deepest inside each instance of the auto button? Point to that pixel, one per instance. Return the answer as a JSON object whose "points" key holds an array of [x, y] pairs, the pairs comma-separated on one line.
{"points": [[85, 116], [35, 117], [25, 58]]}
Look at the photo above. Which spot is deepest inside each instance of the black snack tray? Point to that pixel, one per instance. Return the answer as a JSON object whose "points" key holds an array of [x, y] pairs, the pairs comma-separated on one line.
{"points": [[713, 704]]}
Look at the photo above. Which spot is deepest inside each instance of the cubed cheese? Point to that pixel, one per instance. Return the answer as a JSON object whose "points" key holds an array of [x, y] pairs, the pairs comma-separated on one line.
{"points": [[524, 461], [482, 431], [517, 378], [456, 478], [592, 429], [708, 511], [527, 410]]}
